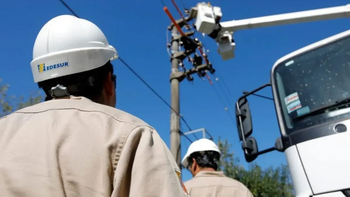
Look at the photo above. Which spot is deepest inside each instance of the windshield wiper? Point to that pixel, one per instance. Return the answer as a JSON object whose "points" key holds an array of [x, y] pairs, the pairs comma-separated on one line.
{"points": [[322, 109]]}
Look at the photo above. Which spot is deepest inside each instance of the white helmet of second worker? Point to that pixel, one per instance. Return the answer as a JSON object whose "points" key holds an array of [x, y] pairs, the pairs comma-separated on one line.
{"points": [[199, 146], [68, 45]]}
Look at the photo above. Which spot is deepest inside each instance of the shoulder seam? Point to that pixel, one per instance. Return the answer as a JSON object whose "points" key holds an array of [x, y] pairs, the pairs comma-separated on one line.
{"points": [[82, 110]]}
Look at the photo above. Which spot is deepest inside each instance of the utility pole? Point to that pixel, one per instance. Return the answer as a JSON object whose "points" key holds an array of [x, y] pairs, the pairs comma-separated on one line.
{"points": [[189, 45], [175, 140]]}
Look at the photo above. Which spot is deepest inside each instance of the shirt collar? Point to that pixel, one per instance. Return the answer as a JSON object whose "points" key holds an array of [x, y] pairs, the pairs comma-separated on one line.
{"points": [[71, 97], [210, 173]]}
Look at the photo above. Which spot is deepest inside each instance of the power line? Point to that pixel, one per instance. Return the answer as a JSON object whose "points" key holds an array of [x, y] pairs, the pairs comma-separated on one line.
{"points": [[138, 76], [161, 1], [179, 29], [144, 82], [218, 95], [161, 98], [225, 85], [202, 53], [227, 97], [71, 10], [220, 77], [183, 4], [186, 135], [223, 103]]}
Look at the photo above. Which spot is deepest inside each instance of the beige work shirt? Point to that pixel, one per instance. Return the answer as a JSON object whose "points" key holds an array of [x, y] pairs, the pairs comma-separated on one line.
{"points": [[215, 184], [75, 147]]}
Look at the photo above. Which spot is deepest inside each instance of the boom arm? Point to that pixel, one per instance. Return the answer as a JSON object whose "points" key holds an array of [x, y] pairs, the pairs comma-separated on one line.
{"points": [[288, 18], [208, 17]]}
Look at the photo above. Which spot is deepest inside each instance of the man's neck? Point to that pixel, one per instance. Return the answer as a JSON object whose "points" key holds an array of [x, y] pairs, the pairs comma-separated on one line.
{"points": [[205, 170]]}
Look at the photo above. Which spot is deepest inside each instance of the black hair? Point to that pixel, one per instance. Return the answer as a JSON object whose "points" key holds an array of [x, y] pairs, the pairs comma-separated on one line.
{"points": [[205, 159], [88, 84]]}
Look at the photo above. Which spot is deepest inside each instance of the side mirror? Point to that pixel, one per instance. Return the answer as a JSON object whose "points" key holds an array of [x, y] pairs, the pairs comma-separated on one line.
{"points": [[250, 148], [245, 127], [243, 118]]}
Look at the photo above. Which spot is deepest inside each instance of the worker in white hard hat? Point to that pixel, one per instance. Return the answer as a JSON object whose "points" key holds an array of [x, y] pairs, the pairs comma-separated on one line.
{"points": [[76, 143], [202, 160]]}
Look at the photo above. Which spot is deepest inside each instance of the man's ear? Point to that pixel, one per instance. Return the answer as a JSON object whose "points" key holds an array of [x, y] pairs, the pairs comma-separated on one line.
{"points": [[109, 85], [193, 160], [194, 164]]}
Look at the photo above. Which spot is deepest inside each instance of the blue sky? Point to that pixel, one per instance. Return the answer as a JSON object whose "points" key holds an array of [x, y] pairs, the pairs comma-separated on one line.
{"points": [[137, 29]]}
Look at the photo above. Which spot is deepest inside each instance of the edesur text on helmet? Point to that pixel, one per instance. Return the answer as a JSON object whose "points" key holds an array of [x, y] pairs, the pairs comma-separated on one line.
{"points": [[53, 66]]}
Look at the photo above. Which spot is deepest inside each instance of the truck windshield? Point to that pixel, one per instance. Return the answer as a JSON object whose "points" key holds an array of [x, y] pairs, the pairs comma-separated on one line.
{"points": [[314, 87]]}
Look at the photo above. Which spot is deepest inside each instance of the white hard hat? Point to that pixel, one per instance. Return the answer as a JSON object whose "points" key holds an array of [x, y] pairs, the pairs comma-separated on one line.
{"points": [[200, 145], [68, 45]]}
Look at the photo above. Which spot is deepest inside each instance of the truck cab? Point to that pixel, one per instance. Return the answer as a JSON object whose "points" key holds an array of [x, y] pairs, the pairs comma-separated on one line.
{"points": [[311, 93]]}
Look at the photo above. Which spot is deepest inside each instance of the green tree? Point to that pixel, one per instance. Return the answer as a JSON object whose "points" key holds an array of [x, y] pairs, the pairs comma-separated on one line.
{"points": [[10, 103], [261, 182]]}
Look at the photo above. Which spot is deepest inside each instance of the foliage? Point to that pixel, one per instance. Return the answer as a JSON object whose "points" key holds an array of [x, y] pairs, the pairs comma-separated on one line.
{"points": [[9, 103], [261, 182]]}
